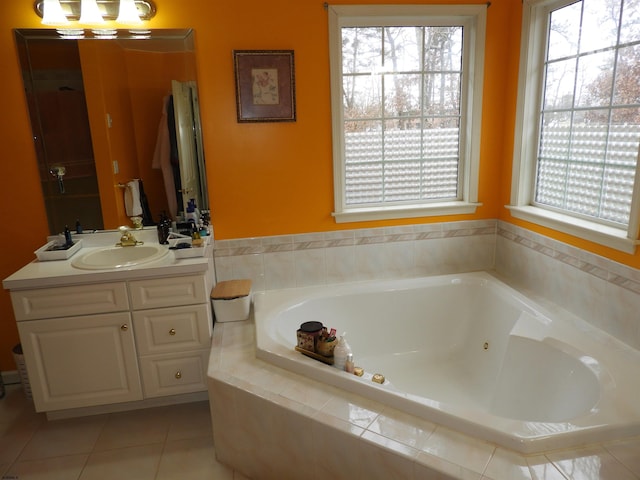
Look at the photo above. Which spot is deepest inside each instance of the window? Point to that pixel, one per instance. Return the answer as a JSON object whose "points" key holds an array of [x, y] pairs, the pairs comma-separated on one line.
{"points": [[578, 132], [406, 86]]}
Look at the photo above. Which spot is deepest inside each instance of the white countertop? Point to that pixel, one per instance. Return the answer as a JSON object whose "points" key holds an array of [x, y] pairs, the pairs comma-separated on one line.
{"points": [[39, 274]]}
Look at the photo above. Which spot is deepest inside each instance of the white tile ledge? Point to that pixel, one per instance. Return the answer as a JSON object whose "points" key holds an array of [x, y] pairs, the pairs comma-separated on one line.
{"points": [[232, 361]]}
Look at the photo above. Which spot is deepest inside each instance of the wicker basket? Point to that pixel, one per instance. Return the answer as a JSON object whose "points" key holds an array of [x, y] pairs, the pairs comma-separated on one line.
{"points": [[18, 357]]}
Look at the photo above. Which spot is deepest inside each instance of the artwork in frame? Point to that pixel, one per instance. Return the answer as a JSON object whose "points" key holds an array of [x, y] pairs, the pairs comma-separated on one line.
{"points": [[265, 85]]}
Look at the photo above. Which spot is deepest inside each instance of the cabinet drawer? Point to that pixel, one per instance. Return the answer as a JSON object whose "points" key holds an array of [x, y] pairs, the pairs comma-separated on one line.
{"points": [[69, 301], [174, 373], [168, 292], [173, 329]]}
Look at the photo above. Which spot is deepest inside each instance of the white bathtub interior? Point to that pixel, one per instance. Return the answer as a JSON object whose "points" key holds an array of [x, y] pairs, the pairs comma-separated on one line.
{"points": [[466, 351]]}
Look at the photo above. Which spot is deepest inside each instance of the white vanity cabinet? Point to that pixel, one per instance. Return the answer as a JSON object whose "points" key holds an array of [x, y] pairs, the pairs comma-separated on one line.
{"points": [[123, 341]]}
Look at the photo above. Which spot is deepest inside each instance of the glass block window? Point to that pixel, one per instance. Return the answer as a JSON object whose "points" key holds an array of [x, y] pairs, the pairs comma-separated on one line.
{"points": [[589, 113], [406, 93]]}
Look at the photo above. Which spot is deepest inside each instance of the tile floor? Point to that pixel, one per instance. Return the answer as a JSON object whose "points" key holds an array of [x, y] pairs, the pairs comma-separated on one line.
{"points": [[173, 442]]}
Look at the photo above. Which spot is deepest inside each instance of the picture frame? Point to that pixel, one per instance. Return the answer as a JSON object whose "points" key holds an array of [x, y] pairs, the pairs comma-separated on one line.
{"points": [[265, 85]]}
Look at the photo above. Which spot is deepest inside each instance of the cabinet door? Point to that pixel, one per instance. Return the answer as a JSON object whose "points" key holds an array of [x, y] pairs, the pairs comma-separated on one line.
{"points": [[81, 361]]}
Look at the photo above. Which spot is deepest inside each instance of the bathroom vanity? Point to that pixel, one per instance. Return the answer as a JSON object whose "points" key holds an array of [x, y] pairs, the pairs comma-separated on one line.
{"points": [[125, 336]]}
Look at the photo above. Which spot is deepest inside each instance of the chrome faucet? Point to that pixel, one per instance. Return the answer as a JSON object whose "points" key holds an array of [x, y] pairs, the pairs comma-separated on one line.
{"points": [[127, 239]]}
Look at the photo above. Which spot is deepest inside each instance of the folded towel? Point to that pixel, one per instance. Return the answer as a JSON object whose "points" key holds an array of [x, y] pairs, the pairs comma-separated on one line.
{"points": [[132, 204]]}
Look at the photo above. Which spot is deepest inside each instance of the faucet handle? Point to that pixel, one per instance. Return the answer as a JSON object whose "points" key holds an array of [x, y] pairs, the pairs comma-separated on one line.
{"points": [[126, 238]]}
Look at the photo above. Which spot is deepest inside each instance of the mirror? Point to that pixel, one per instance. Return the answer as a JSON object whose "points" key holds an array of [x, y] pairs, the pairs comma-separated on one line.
{"points": [[106, 112]]}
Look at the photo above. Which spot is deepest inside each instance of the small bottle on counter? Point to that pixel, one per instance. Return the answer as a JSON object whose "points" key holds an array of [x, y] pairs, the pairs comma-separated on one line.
{"points": [[349, 366]]}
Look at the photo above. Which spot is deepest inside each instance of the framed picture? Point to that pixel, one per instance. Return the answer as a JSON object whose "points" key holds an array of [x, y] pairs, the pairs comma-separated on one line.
{"points": [[265, 85]]}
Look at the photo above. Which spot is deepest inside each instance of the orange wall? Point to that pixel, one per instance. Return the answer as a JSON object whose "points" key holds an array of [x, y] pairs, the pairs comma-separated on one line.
{"points": [[264, 179]]}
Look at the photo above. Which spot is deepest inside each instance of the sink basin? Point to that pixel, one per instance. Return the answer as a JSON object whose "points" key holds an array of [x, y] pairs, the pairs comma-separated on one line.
{"points": [[120, 257]]}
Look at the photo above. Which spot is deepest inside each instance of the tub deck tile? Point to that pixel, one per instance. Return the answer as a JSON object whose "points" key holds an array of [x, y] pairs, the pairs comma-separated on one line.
{"points": [[587, 462], [255, 404], [628, 453]]}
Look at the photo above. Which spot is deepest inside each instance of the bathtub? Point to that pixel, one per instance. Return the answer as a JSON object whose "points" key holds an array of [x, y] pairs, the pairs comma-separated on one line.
{"points": [[467, 352]]}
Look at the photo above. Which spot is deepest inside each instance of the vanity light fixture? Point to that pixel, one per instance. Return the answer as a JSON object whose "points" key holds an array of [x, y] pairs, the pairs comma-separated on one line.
{"points": [[128, 13], [90, 12], [52, 13], [94, 12]]}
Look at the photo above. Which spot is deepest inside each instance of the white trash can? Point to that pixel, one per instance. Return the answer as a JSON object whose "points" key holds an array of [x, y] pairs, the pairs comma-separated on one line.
{"points": [[231, 300]]}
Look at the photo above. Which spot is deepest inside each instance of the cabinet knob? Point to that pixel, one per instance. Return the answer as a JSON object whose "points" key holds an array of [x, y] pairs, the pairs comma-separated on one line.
{"points": [[124, 327], [172, 331], [178, 374]]}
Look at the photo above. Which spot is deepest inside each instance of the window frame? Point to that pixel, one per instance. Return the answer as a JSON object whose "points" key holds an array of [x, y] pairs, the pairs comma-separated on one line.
{"points": [[535, 18], [473, 19]]}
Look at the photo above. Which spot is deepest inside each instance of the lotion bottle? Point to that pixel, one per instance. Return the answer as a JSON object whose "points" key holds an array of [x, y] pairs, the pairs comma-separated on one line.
{"points": [[349, 365], [341, 352]]}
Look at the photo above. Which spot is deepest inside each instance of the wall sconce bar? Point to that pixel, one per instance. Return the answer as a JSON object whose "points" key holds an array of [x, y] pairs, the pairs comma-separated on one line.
{"points": [[108, 8]]}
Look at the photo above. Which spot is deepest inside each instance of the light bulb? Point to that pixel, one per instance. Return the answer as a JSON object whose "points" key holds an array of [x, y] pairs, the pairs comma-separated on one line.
{"points": [[52, 13], [90, 12], [128, 12]]}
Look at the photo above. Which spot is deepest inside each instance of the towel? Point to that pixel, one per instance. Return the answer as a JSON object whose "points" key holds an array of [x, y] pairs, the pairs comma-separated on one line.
{"points": [[132, 203], [162, 158]]}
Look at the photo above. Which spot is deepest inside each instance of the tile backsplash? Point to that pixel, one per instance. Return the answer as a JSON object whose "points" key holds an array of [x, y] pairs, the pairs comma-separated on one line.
{"points": [[603, 292], [355, 255]]}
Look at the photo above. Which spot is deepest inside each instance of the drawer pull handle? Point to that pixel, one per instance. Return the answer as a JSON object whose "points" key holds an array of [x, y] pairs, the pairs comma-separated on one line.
{"points": [[178, 374], [172, 331], [124, 327]]}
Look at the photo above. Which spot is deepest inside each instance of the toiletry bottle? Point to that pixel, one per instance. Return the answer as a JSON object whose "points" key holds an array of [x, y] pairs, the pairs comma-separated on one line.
{"points": [[163, 229], [340, 353], [68, 241], [349, 366], [78, 226]]}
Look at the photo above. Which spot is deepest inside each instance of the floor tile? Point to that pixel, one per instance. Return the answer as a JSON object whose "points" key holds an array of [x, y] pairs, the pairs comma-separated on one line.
{"points": [[137, 427], [190, 420], [64, 437], [191, 459], [139, 463], [57, 468]]}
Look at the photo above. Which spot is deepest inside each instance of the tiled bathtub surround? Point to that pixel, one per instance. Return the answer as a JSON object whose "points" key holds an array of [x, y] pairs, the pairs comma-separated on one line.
{"points": [[271, 423], [604, 293], [354, 255]]}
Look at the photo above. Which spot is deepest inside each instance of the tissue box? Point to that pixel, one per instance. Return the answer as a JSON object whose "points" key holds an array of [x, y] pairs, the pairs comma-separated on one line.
{"points": [[231, 300], [45, 254]]}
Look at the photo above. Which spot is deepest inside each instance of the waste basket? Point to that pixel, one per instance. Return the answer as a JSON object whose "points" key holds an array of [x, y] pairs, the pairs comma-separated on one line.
{"points": [[18, 358]]}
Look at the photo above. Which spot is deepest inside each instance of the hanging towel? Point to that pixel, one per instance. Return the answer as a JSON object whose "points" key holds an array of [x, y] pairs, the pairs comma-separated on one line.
{"points": [[132, 203], [162, 158]]}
